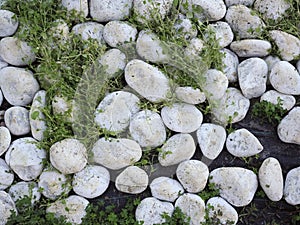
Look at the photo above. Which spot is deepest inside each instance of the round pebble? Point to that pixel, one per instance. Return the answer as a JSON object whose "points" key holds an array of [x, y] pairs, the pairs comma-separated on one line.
{"points": [[21, 189], [291, 187], [272, 9], [223, 33], [190, 95], [193, 175], [181, 117], [91, 182], [89, 30], [18, 85], [272, 96], [68, 156], [251, 48], [7, 205], [16, 119], [132, 180], [8, 23]]}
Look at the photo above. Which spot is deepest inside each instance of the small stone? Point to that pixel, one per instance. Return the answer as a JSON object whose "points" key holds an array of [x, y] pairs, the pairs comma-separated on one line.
{"points": [[206, 10], [166, 189], [215, 84], [237, 185], [7, 205], [288, 45], [108, 10], [8, 23], [80, 6], [132, 180], [147, 128], [116, 68], [150, 210], [115, 111], [271, 61], [242, 143], [231, 62], [25, 189], [251, 48], [194, 47], [182, 117], [145, 9], [16, 52], [271, 9], [193, 175], [5, 139], [116, 153], [271, 178], [291, 187], [73, 208], [224, 34], [18, 85], [36, 116], [239, 2], [91, 182], [16, 119], [89, 30], [190, 95], [68, 156], [116, 33], [192, 206], [6, 175], [178, 148], [211, 139], [25, 158], [147, 80], [285, 78], [288, 129], [244, 22], [215, 205], [185, 27], [148, 47], [252, 76], [232, 107], [54, 184], [288, 101]]}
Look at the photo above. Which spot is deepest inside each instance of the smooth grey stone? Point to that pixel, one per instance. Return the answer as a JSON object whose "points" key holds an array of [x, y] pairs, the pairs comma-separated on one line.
{"points": [[54, 184], [72, 207], [252, 76], [80, 6], [21, 189], [251, 48], [237, 185], [147, 80], [108, 10], [242, 143], [288, 101], [68, 156], [150, 210], [16, 119], [5, 139], [192, 206], [285, 78], [223, 33], [193, 175], [182, 117], [116, 153], [243, 22], [90, 30], [288, 45], [190, 95], [8, 23], [91, 182], [7, 205], [116, 33], [25, 158], [132, 180], [215, 205], [288, 129], [176, 149], [231, 62], [6, 175], [147, 128], [166, 189], [291, 187], [18, 85], [16, 52], [272, 9], [271, 178]]}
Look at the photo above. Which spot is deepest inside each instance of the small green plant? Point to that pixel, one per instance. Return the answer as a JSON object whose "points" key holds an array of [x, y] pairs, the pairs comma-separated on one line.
{"points": [[213, 218], [267, 111], [211, 190], [177, 218]]}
